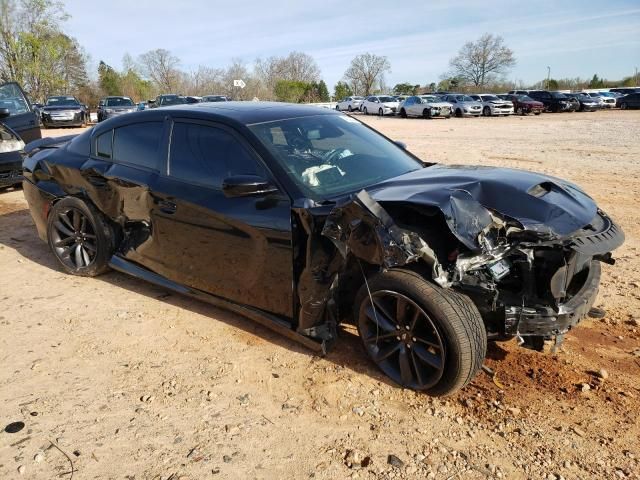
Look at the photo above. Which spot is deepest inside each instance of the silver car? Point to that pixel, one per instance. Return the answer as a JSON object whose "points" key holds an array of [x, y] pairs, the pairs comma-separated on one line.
{"points": [[425, 106], [350, 103], [492, 105], [463, 105], [605, 101]]}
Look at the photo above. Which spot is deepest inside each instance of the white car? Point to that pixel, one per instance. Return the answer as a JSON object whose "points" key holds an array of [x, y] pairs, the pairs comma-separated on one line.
{"points": [[350, 103], [380, 105], [604, 100], [492, 105], [426, 106]]}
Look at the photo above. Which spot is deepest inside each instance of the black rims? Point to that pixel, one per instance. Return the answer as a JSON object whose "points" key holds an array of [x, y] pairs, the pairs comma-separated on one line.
{"points": [[73, 238], [402, 339]]}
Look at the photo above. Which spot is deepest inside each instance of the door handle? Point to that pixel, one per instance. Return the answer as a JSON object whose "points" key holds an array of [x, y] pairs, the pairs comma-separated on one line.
{"points": [[167, 207]]}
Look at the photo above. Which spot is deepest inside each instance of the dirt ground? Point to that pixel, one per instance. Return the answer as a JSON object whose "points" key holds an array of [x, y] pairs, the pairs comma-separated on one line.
{"points": [[118, 379]]}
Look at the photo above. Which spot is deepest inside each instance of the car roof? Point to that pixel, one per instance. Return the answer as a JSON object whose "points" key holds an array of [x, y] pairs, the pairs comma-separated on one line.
{"points": [[246, 113]]}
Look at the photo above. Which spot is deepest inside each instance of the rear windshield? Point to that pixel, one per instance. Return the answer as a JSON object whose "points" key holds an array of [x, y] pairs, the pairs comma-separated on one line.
{"points": [[119, 102]]}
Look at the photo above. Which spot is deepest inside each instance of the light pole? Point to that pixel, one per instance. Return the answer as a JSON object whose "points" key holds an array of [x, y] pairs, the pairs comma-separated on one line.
{"points": [[548, 76]]}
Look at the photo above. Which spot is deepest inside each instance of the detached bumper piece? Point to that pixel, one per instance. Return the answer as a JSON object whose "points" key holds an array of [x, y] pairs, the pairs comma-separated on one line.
{"points": [[11, 172]]}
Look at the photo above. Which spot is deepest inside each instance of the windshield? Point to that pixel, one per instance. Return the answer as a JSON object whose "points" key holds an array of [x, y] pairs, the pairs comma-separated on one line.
{"points": [[525, 98], [62, 101], [215, 98], [430, 99], [464, 98], [387, 99], [11, 98], [558, 95], [119, 102], [331, 155], [358, 98], [488, 98], [173, 100]]}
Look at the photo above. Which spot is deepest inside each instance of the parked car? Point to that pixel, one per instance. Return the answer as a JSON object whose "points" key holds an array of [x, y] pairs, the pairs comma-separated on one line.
{"points": [[192, 99], [113, 106], [350, 103], [631, 100], [425, 106], [553, 101], [524, 105], [64, 111], [142, 106], [167, 100], [289, 225], [493, 105], [463, 105], [585, 102], [380, 105], [20, 115], [215, 98], [605, 101], [10, 154], [625, 90]]}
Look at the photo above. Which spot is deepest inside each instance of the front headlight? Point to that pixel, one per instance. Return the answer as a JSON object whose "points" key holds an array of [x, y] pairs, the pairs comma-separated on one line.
{"points": [[109, 110], [13, 145]]}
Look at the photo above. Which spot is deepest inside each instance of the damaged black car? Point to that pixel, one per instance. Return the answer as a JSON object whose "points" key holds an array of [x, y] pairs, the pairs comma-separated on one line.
{"points": [[301, 218]]}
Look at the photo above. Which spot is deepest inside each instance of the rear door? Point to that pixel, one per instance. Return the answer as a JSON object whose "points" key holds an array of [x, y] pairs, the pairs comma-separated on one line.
{"points": [[237, 248], [22, 118]]}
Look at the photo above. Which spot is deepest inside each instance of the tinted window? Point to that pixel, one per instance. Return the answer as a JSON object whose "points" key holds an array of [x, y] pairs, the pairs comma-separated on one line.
{"points": [[138, 144], [103, 144], [208, 155], [119, 102]]}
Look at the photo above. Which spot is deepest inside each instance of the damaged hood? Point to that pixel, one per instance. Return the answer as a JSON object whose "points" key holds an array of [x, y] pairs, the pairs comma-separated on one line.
{"points": [[465, 194]]}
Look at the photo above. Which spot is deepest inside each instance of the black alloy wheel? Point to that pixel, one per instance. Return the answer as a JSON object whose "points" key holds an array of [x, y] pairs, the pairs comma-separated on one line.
{"points": [[74, 238], [402, 340]]}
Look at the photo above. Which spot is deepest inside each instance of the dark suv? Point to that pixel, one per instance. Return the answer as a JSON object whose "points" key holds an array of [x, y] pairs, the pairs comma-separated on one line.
{"points": [[553, 101]]}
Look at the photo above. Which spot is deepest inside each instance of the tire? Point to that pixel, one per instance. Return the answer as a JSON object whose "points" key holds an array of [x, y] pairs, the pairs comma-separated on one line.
{"points": [[403, 113], [65, 236], [337, 107], [350, 109], [623, 106], [459, 113], [486, 111], [381, 112], [447, 322], [364, 110], [426, 113], [519, 111], [537, 113]]}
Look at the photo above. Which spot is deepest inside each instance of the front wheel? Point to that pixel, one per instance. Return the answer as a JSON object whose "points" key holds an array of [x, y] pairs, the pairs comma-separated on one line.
{"points": [[426, 113], [519, 111], [338, 107], [79, 237], [381, 112], [403, 113], [623, 106], [420, 335], [350, 109], [364, 110], [486, 111]]}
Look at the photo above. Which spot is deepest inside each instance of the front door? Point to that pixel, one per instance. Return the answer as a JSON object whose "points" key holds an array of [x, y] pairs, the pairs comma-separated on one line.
{"points": [[236, 248], [22, 119]]}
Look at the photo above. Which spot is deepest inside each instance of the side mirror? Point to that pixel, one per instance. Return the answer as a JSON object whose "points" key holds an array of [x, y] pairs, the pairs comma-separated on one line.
{"points": [[4, 112], [402, 145], [246, 185]]}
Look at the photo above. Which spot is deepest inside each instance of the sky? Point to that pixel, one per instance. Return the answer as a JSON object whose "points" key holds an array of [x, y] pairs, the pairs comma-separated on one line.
{"points": [[573, 38]]}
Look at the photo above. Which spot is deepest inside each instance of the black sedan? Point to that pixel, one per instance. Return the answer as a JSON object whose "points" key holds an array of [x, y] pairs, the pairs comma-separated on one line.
{"points": [[631, 100], [64, 111], [114, 106], [302, 218], [586, 103]]}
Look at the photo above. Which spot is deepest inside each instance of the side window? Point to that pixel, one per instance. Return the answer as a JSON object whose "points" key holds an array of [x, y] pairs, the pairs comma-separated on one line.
{"points": [[138, 144], [103, 144], [207, 155]]}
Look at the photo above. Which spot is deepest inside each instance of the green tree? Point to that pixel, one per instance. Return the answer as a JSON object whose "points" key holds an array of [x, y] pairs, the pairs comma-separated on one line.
{"points": [[341, 90], [323, 91], [291, 90], [109, 79], [552, 84], [405, 88], [596, 82]]}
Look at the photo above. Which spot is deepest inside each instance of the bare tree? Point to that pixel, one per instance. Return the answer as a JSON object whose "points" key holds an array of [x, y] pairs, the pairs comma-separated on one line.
{"points": [[295, 67], [161, 67], [365, 72], [483, 61]]}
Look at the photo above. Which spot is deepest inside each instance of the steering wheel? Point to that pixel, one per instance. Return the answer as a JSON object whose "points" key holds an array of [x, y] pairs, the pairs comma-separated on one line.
{"points": [[334, 154]]}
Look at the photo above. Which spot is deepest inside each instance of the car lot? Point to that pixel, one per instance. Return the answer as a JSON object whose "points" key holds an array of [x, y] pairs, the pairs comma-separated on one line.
{"points": [[144, 383]]}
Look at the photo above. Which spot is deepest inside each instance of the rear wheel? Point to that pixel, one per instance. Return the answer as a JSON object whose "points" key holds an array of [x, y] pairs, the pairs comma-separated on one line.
{"points": [[520, 111], [623, 106], [338, 107], [79, 237], [422, 336]]}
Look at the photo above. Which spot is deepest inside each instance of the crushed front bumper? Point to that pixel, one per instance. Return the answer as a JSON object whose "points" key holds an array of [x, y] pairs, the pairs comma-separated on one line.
{"points": [[548, 321]]}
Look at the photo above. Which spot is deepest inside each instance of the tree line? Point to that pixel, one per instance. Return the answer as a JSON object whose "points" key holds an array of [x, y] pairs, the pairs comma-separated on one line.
{"points": [[35, 51]]}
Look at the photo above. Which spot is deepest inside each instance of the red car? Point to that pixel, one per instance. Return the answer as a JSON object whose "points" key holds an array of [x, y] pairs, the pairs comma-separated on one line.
{"points": [[523, 105]]}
